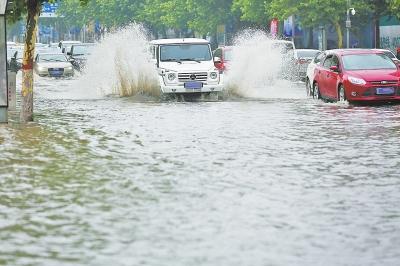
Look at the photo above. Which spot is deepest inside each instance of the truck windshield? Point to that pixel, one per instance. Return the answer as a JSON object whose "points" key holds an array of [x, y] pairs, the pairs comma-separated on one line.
{"points": [[185, 52]]}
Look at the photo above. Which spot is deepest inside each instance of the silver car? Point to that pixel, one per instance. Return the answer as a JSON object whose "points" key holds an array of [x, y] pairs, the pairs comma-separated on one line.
{"points": [[53, 65], [303, 57]]}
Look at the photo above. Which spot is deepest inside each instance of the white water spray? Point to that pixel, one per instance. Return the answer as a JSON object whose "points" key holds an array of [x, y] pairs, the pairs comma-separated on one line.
{"points": [[256, 68], [120, 65]]}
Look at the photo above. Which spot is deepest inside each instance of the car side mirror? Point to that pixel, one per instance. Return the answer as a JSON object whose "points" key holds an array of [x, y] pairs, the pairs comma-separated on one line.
{"points": [[63, 50], [69, 53], [334, 68], [217, 60]]}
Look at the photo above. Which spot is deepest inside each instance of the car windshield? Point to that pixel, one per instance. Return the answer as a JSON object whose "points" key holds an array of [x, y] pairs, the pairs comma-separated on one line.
{"points": [[307, 53], [228, 55], [52, 58], [82, 50], [283, 47], [185, 52], [367, 62]]}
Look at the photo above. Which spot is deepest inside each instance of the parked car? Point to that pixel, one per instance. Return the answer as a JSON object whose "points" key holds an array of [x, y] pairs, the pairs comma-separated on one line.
{"points": [[223, 57], [53, 65], [302, 58], [310, 72], [390, 54], [186, 66], [357, 75], [65, 46], [79, 53]]}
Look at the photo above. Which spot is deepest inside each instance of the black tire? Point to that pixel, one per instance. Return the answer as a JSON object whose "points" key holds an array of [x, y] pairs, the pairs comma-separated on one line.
{"points": [[316, 93]]}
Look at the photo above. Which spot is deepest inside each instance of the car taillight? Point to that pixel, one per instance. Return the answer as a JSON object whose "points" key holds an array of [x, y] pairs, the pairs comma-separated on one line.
{"points": [[301, 61]]}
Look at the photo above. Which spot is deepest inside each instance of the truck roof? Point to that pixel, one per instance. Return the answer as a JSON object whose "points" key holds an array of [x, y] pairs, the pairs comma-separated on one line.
{"points": [[179, 41]]}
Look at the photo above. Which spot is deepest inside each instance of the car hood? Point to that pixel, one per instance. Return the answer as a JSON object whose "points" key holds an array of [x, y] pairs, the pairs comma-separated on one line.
{"points": [[188, 66], [54, 64], [376, 74]]}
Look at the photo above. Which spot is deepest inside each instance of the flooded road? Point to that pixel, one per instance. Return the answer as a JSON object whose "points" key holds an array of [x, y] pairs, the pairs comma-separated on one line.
{"points": [[273, 181]]}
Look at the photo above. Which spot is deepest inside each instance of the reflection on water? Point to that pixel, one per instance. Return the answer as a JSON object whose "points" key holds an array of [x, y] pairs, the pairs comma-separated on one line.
{"points": [[264, 182]]}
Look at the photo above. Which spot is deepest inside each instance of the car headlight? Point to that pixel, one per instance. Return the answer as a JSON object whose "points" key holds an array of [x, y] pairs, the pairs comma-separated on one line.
{"points": [[357, 81], [213, 75], [68, 68], [40, 68], [171, 76]]}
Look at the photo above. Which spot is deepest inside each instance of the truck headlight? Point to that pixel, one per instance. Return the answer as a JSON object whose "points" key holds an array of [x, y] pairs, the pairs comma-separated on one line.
{"points": [[171, 76], [213, 75]]}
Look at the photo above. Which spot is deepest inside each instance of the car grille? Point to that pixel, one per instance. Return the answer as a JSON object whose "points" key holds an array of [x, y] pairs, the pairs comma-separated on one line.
{"points": [[199, 76], [384, 82]]}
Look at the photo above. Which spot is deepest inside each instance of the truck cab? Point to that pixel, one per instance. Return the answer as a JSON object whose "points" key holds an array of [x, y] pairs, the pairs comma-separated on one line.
{"points": [[186, 66]]}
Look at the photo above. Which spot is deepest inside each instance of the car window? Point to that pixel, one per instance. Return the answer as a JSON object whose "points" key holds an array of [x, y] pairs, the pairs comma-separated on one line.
{"points": [[328, 62], [335, 61]]}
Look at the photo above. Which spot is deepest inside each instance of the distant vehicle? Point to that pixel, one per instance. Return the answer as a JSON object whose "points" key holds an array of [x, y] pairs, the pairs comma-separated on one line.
{"points": [[390, 54], [357, 75], [286, 49], [302, 58], [79, 53], [310, 72], [223, 57], [53, 65], [186, 66], [65, 46], [14, 60], [40, 45]]}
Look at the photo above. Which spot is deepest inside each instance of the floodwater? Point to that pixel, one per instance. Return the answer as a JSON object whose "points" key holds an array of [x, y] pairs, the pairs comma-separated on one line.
{"points": [[263, 181]]}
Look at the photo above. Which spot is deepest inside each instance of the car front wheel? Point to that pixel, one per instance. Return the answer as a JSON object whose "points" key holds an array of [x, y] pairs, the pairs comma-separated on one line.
{"points": [[316, 92]]}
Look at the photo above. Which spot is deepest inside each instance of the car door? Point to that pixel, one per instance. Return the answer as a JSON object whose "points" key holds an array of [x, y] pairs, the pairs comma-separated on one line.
{"points": [[331, 79], [322, 73]]}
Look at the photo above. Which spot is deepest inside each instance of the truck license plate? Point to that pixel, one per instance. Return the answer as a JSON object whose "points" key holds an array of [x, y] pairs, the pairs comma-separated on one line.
{"points": [[193, 85]]}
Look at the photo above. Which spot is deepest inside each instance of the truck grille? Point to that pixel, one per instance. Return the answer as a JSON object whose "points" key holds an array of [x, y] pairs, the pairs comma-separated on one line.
{"points": [[199, 76]]}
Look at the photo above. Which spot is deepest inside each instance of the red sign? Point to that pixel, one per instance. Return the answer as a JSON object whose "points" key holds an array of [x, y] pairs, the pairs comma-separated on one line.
{"points": [[274, 28]]}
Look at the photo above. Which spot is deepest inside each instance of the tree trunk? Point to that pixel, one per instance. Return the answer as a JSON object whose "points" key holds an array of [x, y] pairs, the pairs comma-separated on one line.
{"points": [[34, 7], [340, 34]]}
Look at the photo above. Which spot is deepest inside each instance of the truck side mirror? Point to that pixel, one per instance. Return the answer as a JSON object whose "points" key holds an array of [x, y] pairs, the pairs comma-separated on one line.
{"points": [[217, 60]]}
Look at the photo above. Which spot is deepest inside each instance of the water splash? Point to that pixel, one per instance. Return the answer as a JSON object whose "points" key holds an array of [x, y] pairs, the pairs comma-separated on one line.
{"points": [[257, 67], [121, 65]]}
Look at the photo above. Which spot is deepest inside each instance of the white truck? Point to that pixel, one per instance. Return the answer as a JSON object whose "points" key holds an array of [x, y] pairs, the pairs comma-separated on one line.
{"points": [[186, 66]]}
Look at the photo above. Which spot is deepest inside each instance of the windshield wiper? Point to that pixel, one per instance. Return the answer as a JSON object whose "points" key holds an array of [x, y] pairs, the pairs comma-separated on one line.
{"points": [[190, 59], [172, 60]]}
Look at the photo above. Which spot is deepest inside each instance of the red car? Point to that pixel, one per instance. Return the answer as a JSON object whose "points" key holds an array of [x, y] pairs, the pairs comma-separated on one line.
{"points": [[224, 54], [360, 75]]}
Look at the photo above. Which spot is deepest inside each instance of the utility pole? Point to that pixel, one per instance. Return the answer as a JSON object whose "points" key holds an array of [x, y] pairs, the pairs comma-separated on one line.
{"points": [[3, 64], [350, 11]]}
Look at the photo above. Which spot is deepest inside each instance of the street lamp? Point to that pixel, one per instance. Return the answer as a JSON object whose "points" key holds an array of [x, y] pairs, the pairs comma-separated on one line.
{"points": [[3, 63], [351, 11]]}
